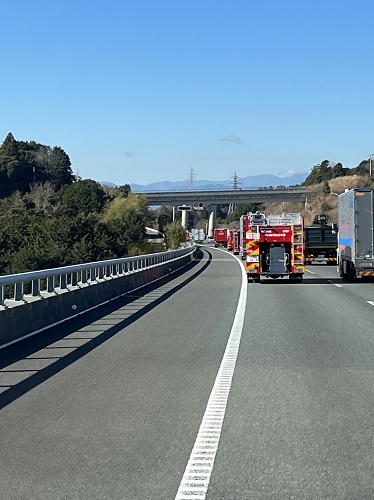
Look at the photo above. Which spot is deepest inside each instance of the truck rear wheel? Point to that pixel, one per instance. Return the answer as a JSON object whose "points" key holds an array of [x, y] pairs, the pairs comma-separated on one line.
{"points": [[348, 272]]}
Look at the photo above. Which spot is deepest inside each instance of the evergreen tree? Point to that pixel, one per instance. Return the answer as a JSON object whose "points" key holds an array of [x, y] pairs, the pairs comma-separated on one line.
{"points": [[326, 187], [123, 191], [339, 171], [319, 173], [84, 196], [11, 178], [25, 163], [362, 168]]}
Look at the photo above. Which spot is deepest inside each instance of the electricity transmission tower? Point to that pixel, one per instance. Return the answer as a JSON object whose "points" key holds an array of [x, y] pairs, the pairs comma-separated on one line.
{"points": [[234, 181], [191, 178]]}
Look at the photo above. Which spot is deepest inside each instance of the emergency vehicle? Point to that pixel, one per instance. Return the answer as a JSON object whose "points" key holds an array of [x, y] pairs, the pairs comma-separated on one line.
{"points": [[242, 229], [236, 242], [274, 246], [220, 237], [230, 241]]}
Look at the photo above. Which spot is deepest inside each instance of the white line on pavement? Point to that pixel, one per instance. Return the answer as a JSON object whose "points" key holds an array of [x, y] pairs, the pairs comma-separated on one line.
{"points": [[336, 284], [195, 480], [371, 302]]}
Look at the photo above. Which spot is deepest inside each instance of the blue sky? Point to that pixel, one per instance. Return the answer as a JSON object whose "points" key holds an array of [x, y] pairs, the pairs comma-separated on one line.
{"points": [[143, 91]]}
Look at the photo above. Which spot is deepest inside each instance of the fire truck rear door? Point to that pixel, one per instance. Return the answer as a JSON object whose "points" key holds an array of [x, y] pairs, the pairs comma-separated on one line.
{"points": [[277, 260]]}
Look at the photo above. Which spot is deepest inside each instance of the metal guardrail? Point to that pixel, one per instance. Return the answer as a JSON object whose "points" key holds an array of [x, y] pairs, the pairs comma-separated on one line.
{"points": [[18, 289]]}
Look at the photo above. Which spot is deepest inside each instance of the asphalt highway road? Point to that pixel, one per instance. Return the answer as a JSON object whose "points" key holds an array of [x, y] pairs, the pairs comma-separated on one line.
{"points": [[109, 406]]}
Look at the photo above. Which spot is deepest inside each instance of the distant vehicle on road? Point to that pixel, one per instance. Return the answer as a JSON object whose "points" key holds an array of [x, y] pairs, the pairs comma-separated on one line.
{"points": [[221, 237], [321, 242]]}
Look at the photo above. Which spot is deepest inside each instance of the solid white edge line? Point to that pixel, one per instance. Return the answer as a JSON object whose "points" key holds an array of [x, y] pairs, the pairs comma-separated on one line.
{"points": [[195, 480]]}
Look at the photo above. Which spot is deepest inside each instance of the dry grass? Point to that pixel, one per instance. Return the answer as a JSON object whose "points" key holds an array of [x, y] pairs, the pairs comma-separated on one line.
{"points": [[321, 203]]}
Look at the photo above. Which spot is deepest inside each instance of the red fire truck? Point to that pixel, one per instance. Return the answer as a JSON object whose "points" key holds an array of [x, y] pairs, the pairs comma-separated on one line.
{"points": [[220, 237], [236, 242], [230, 241], [274, 246], [233, 241], [242, 229]]}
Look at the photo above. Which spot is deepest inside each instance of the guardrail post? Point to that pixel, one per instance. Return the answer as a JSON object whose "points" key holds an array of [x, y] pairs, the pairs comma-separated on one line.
{"points": [[18, 291], [84, 276], [50, 284], [74, 279], [35, 288], [63, 281]]}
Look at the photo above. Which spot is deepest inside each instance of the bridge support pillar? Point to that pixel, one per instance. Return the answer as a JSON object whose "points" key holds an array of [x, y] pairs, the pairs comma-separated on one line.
{"points": [[212, 221], [185, 219]]}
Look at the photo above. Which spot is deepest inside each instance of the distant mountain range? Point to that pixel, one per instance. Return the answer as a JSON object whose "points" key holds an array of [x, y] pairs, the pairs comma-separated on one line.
{"points": [[250, 182]]}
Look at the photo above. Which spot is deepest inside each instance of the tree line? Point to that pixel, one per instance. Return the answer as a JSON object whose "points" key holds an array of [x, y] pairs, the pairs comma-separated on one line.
{"points": [[49, 218], [326, 170]]}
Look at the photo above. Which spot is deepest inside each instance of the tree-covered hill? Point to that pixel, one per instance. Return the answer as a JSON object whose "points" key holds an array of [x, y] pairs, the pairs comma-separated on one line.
{"points": [[327, 170], [50, 218], [23, 164], [325, 199]]}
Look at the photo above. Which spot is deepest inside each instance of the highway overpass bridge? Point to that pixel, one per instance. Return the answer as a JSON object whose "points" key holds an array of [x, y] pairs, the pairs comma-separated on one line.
{"points": [[221, 197]]}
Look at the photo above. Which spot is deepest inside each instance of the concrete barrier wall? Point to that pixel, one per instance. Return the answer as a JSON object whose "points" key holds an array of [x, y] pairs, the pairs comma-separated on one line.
{"points": [[27, 319]]}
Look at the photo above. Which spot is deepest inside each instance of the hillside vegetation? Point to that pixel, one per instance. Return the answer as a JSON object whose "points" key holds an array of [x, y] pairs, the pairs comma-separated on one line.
{"points": [[326, 199], [51, 218]]}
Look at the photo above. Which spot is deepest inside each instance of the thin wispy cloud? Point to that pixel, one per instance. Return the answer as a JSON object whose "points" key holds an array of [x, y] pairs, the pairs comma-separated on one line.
{"points": [[289, 172], [231, 139]]}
